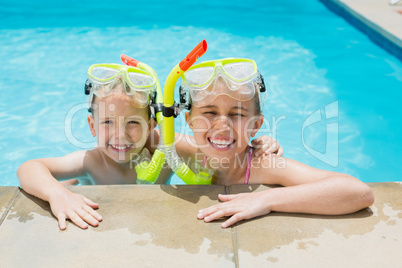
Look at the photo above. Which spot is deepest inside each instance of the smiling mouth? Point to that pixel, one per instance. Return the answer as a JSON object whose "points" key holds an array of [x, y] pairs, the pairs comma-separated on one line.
{"points": [[121, 148], [221, 143]]}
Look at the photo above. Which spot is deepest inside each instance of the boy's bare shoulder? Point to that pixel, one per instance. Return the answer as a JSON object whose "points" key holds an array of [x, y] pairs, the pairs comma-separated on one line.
{"points": [[78, 159], [94, 159], [99, 169]]}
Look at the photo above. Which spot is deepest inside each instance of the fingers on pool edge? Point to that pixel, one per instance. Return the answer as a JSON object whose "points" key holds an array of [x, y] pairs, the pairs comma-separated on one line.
{"points": [[232, 220], [226, 197], [62, 221], [91, 203], [88, 217], [93, 213], [75, 218]]}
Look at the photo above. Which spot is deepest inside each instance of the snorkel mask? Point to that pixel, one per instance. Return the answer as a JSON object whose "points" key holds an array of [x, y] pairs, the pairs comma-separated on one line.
{"points": [[240, 78], [107, 79]]}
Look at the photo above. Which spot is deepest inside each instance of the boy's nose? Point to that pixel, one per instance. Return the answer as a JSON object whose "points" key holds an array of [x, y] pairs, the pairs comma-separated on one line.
{"points": [[120, 131]]}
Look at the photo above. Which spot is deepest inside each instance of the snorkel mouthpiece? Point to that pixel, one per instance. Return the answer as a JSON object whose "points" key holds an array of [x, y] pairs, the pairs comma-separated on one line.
{"points": [[192, 57]]}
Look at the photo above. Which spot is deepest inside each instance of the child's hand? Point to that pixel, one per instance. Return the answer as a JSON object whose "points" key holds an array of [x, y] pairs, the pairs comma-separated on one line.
{"points": [[238, 206], [80, 210], [266, 144]]}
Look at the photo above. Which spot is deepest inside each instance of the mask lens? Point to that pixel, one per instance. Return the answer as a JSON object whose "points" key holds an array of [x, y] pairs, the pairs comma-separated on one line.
{"points": [[103, 72], [136, 84], [141, 80], [199, 76], [240, 70], [235, 78], [237, 91], [244, 92]]}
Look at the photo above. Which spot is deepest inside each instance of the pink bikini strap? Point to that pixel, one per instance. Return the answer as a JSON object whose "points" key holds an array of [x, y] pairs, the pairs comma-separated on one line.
{"points": [[204, 161], [250, 151]]}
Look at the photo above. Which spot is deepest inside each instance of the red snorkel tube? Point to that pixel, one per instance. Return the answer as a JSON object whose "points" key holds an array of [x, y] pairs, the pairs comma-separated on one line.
{"points": [[129, 61], [193, 56]]}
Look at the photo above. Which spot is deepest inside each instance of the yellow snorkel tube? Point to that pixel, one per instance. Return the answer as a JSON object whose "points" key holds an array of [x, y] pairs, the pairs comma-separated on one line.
{"points": [[148, 171], [169, 112]]}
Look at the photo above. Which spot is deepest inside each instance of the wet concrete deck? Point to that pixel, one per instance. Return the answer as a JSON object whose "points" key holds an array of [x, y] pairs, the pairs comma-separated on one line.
{"points": [[156, 226], [153, 226]]}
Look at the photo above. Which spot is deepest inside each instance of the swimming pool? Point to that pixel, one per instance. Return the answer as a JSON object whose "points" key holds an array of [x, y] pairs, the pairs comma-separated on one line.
{"points": [[333, 94]]}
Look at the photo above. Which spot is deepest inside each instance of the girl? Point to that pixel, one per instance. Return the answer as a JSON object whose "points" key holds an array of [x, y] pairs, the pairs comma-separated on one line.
{"points": [[225, 112]]}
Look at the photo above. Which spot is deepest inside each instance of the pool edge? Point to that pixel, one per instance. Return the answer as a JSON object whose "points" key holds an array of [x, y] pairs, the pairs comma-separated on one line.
{"points": [[358, 16]]}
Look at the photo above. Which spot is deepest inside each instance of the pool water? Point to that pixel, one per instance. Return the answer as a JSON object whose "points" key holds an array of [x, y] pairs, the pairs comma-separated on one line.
{"points": [[333, 95]]}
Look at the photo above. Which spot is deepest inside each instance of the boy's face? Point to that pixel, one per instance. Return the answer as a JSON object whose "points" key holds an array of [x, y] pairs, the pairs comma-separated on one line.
{"points": [[120, 127], [224, 127]]}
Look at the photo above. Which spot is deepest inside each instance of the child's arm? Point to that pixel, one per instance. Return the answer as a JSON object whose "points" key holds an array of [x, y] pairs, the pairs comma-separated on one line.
{"points": [[38, 177], [308, 190]]}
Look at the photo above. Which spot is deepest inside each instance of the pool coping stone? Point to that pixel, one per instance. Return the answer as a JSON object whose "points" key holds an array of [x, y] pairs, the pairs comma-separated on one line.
{"points": [[156, 225]]}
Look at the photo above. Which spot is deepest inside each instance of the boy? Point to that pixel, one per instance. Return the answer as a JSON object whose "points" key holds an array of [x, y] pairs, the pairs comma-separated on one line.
{"points": [[121, 122]]}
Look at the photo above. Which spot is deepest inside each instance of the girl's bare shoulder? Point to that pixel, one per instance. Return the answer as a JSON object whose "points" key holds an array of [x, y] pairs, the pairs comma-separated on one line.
{"points": [[267, 169]]}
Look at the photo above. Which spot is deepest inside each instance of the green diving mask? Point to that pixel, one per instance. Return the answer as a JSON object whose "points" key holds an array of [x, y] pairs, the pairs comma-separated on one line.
{"points": [[234, 77], [107, 79]]}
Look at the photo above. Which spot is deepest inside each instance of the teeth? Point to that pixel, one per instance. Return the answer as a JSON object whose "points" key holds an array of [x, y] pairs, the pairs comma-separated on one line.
{"points": [[221, 143], [120, 147]]}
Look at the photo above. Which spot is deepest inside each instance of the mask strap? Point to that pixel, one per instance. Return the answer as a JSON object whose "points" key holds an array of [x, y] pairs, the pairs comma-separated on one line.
{"points": [[88, 90]]}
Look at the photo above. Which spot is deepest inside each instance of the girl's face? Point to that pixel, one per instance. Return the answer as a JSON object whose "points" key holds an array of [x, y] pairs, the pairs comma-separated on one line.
{"points": [[223, 128], [121, 128]]}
